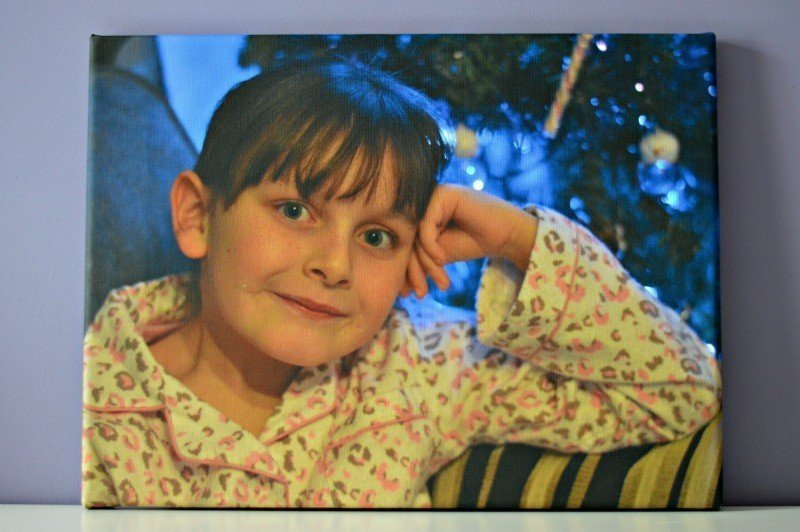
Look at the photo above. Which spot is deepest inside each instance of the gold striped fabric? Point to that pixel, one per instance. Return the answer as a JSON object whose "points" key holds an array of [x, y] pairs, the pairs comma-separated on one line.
{"points": [[680, 474], [583, 480], [649, 482], [541, 484], [447, 483], [698, 490], [489, 476]]}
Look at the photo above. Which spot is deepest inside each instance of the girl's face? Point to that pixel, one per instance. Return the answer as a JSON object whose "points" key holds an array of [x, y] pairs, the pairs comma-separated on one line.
{"points": [[305, 282]]}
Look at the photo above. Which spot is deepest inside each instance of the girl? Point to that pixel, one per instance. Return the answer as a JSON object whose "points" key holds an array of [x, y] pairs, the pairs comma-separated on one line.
{"points": [[280, 374]]}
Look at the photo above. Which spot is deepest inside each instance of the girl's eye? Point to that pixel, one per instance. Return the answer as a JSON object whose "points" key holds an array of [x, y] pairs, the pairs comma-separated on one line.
{"points": [[379, 239], [295, 211]]}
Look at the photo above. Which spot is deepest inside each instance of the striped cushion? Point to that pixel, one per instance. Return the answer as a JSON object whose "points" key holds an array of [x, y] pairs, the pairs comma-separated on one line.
{"points": [[681, 474]]}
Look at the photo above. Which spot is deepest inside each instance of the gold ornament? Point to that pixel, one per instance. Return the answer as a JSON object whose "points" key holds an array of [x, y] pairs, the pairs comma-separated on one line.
{"points": [[660, 146], [466, 142]]}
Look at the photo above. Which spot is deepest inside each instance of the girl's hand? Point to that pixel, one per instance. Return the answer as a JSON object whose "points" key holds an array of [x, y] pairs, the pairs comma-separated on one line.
{"points": [[463, 224]]}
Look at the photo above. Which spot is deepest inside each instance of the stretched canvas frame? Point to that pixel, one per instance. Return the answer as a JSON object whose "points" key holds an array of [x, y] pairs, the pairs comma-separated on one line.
{"points": [[629, 173]]}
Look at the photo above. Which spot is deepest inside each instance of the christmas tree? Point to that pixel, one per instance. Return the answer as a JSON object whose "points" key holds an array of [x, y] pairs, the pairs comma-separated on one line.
{"points": [[616, 131]]}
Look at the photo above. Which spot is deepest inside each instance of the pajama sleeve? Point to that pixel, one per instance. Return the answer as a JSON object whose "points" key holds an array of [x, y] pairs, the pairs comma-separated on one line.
{"points": [[572, 355]]}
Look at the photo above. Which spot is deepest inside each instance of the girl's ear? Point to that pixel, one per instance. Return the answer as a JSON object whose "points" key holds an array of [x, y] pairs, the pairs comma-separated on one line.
{"points": [[190, 202]]}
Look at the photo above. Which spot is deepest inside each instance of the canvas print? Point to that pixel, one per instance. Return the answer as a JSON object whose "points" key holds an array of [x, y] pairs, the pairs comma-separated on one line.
{"points": [[402, 271]]}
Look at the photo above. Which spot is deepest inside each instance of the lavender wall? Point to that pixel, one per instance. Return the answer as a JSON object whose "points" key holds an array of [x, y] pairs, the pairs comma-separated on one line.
{"points": [[43, 98]]}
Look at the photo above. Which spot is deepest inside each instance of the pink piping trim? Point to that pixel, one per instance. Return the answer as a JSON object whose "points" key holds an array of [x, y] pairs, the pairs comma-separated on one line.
{"points": [[345, 439], [122, 409]]}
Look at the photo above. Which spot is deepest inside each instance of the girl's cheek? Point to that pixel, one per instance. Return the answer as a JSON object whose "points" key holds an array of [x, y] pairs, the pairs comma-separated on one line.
{"points": [[389, 283], [254, 246]]}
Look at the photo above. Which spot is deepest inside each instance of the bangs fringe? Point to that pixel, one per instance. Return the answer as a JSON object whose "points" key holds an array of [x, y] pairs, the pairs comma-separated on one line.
{"points": [[317, 130], [320, 156]]}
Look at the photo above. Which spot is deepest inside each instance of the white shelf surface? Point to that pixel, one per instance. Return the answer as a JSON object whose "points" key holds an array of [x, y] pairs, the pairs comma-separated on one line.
{"points": [[46, 517]]}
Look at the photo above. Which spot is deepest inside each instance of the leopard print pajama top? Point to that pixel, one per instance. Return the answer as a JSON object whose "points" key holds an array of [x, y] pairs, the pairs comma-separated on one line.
{"points": [[571, 355]]}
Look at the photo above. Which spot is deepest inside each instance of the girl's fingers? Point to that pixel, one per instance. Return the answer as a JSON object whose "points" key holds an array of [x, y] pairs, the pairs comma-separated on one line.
{"points": [[432, 224], [416, 277], [406, 288], [428, 235], [407, 285], [437, 273]]}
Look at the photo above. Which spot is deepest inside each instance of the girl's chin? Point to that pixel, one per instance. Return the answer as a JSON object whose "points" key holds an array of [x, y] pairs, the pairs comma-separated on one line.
{"points": [[306, 356]]}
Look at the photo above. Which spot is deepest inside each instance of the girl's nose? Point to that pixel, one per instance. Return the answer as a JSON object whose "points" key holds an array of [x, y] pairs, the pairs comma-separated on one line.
{"points": [[330, 261]]}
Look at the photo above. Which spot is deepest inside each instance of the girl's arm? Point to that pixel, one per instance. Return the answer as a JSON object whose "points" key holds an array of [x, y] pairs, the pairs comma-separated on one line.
{"points": [[609, 365]]}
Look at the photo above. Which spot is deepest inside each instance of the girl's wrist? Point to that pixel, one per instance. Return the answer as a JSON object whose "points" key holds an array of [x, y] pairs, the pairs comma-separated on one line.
{"points": [[519, 247]]}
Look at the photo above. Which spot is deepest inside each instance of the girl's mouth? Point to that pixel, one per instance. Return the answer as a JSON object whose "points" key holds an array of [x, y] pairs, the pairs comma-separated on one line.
{"points": [[310, 308]]}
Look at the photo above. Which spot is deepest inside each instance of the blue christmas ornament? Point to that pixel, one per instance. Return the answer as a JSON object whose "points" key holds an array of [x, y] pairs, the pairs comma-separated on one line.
{"points": [[682, 197], [532, 150], [498, 150], [658, 178]]}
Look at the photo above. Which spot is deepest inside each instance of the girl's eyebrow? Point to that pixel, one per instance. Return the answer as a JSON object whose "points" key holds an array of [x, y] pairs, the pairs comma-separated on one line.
{"points": [[401, 216], [392, 216], [290, 185]]}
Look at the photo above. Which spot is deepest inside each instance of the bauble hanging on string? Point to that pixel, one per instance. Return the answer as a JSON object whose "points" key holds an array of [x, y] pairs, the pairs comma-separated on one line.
{"points": [[659, 146], [657, 171]]}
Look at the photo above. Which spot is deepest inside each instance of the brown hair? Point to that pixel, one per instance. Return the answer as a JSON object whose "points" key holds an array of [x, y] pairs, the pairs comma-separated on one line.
{"points": [[284, 121]]}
